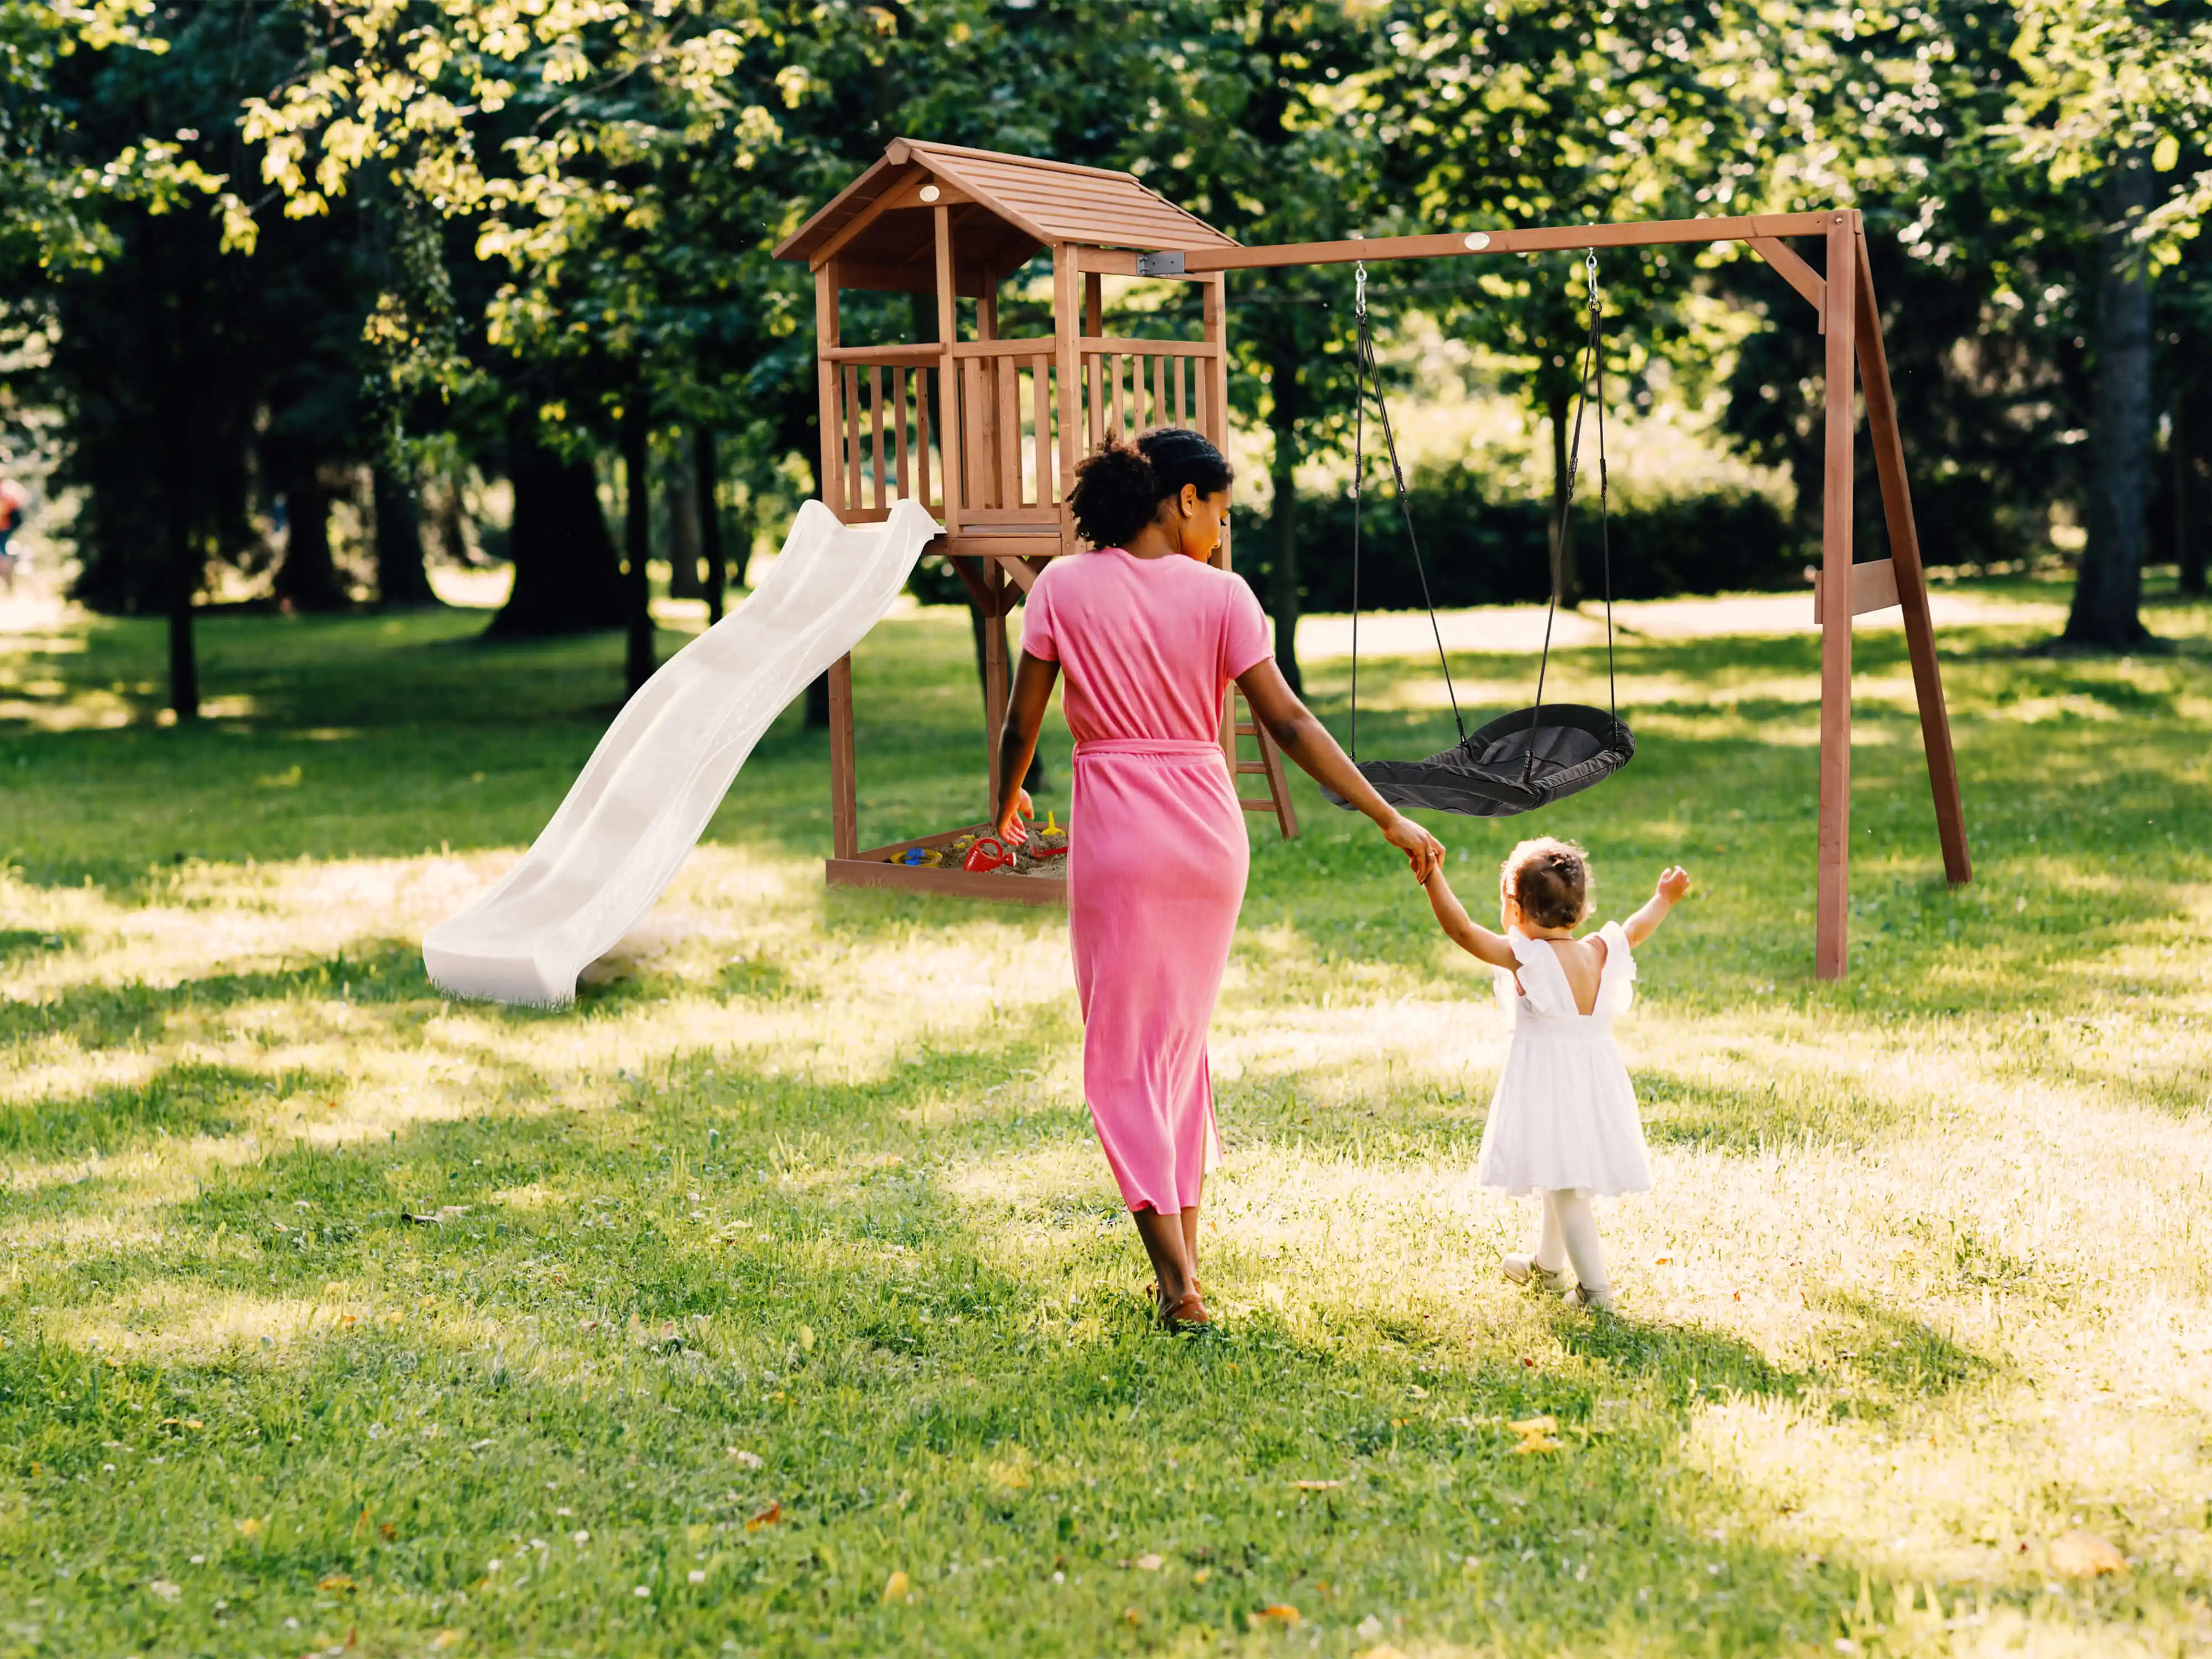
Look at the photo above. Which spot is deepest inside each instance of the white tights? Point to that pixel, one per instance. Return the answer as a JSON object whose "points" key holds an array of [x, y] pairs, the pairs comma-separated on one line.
{"points": [[1569, 1234]]}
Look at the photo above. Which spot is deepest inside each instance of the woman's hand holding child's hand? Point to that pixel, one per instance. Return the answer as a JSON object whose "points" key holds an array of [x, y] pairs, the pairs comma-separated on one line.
{"points": [[1423, 850]]}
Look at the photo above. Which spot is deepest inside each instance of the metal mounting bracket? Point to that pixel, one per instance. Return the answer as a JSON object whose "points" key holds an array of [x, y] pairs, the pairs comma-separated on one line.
{"points": [[1160, 265]]}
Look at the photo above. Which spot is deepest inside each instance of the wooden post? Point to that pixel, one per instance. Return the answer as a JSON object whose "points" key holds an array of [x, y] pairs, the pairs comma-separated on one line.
{"points": [[948, 375], [1066, 325], [995, 677], [844, 799], [1882, 432], [826, 340], [1215, 417], [1832, 924], [983, 384]]}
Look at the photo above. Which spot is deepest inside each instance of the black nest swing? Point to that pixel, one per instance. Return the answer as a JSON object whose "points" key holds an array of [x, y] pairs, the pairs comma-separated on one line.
{"points": [[1533, 755]]}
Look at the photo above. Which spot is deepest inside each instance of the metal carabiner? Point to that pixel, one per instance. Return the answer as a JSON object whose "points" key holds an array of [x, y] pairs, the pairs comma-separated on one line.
{"points": [[1359, 287], [1589, 262]]}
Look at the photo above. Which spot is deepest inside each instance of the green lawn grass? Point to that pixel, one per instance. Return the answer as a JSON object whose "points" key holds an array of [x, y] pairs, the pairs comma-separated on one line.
{"points": [[782, 1275]]}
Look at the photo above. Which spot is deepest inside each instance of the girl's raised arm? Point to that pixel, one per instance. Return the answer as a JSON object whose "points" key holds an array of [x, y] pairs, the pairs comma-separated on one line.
{"points": [[1674, 882], [1470, 935]]}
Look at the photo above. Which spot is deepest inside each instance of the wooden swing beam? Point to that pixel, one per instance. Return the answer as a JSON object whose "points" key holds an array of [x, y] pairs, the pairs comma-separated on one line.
{"points": [[1843, 299], [894, 230]]}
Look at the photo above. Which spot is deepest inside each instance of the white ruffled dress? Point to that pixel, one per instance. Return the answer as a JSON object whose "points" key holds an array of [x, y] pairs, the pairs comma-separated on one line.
{"points": [[1564, 1115]]}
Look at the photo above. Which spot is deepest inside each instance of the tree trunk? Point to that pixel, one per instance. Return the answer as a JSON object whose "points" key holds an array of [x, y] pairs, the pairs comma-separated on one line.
{"points": [[1559, 407], [681, 493], [2108, 592], [402, 578], [637, 514], [308, 579], [567, 577], [2189, 498], [186, 571], [706, 477], [1284, 386]]}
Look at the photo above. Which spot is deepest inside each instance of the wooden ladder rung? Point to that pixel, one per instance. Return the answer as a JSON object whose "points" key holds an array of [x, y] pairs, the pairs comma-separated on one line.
{"points": [[1263, 803], [1243, 731], [1251, 766]]}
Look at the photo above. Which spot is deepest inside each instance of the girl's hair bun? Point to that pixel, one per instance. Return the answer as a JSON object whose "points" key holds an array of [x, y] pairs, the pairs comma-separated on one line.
{"points": [[1550, 880], [1119, 486]]}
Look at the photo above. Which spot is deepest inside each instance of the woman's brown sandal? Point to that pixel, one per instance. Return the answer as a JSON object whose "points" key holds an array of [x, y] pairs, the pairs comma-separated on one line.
{"points": [[1188, 1314]]}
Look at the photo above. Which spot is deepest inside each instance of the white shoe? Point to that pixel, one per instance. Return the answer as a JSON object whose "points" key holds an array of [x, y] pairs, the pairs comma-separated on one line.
{"points": [[1522, 1268], [1582, 1297]]}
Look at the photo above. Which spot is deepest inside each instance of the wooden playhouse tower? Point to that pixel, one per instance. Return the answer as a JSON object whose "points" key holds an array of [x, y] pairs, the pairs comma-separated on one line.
{"points": [[984, 431]]}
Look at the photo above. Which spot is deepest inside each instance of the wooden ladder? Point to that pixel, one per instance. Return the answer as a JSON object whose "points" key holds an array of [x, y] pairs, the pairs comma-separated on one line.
{"points": [[1237, 723]]}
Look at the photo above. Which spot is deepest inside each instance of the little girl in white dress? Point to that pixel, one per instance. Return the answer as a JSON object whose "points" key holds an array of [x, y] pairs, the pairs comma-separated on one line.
{"points": [[1564, 1122]]}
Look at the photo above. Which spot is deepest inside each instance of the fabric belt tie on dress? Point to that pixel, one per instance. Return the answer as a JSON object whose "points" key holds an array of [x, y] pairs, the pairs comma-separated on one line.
{"points": [[1176, 746]]}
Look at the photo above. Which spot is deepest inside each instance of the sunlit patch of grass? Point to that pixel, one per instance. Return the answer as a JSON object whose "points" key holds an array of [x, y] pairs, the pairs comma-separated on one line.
{"points": [[786, 1257]]}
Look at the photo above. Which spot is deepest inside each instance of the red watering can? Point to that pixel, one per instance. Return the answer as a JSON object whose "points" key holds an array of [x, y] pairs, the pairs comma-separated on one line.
{"points": [[988, 854]]}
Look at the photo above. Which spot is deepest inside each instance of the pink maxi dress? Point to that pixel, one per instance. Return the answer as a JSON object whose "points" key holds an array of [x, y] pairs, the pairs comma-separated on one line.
{"points": [[1157, 854]]}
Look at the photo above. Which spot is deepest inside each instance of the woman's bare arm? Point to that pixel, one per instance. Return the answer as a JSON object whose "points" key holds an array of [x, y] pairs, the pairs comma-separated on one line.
{"points": [[1307, 741], [1470, 935], [1033, 682]]}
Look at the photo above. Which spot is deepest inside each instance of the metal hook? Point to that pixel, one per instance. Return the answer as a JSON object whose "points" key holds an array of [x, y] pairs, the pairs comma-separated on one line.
{"points": [[1359, 287], [1589, 262]]}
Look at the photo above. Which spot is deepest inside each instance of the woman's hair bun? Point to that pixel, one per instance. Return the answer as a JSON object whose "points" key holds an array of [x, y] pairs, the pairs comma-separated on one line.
{"points": [[1119, 485]]}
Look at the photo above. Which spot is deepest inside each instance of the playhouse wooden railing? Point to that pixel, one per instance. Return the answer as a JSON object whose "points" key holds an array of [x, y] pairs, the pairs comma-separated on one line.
{"points": [[881, 403], [1130, 385], [1009, 436]]}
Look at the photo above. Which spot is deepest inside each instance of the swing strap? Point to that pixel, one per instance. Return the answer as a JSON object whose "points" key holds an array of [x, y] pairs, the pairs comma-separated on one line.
{"points": [[1593, 370], [1366, 374]]}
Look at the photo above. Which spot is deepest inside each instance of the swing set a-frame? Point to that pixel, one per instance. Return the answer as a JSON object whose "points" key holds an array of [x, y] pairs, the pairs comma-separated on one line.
{"points": [[985, 433]]}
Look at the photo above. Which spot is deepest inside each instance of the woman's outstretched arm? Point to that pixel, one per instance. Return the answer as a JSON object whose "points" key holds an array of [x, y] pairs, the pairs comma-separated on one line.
{"points": [[1307, 741], [1033, 682]]}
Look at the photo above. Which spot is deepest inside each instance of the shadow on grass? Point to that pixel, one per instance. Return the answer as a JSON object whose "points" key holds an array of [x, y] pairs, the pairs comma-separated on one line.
{"points": [[1890, 1360], [189, 1098], [94, 1016], [1703, 1116], [17, 943]]}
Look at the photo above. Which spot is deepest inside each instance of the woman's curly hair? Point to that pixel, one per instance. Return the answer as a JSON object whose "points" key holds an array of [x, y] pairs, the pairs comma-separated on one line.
{"points": [[1119, 486], [1550, 880]]}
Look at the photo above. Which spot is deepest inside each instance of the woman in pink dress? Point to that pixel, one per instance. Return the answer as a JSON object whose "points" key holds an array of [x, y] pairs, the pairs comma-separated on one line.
{"points": [[1149, 635]]}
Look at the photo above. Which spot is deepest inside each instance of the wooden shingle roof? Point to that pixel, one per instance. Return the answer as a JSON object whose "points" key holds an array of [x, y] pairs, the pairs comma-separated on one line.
{"points": [[876, 221]]}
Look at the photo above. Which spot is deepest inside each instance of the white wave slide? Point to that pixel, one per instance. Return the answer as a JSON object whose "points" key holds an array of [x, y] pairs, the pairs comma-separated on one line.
{"points": [[646, 795]]}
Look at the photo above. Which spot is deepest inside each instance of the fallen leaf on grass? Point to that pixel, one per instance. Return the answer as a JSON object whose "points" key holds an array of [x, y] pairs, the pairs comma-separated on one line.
{"points": [[896, 1586], [1280, 1612], [447, 1639], [1537, 1435], [251, 1527], [1143, 1563], [1315, 1485], [334, 1582], [767, 1517], [2078, 1554]]}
